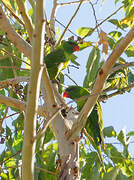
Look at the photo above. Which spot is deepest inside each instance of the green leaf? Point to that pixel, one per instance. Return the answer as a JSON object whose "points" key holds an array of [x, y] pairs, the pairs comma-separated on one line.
{"points": [[49, 135], [13, 4], [115, 34], [112, 174], [85, 45], [118, 23], [7, 72], [3, 176], [10, 162], [46, 159], [116, 1], [121, 176], [83, 31], [18, 123], [130, 76], [130, 133], [111, 43], [17, 144], [8, 131], [113, 154], [31, 13], [95, 173], [92, 67], [109, 131], [122, 137], [72, 58], [91, 159], [130, 51], [61, 78]]}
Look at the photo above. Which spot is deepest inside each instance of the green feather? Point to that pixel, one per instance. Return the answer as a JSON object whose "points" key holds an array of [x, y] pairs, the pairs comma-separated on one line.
{"points": [[59, 59], [94, 124]]}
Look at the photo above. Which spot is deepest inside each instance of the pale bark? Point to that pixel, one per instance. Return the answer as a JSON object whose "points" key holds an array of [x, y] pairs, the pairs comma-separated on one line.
{"points": [[17, 40], [20, 105], [26, 18], [33, 94]]}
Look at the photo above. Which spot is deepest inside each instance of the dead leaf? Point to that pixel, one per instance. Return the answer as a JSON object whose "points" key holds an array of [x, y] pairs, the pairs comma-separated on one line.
{"points": [[104, 41]]}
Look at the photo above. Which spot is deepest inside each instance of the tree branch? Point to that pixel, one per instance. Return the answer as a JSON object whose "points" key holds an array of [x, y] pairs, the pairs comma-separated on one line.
{"points": [[33, 93], [26, 18], [17, 40], [12, 55], [12, 13], [121, 67], [71, 3], [118, 92], [8, 82], [99, 83], [52, 19], [11, 102], [45, 170]]}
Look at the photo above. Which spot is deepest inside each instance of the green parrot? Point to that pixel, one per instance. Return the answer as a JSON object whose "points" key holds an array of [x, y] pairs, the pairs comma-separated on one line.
{"points": [[59, 59], [94, 124]]}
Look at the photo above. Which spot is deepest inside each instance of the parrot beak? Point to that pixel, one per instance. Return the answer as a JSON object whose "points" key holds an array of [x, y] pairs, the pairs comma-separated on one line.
{"points": [[66, 95], [76, 48]]}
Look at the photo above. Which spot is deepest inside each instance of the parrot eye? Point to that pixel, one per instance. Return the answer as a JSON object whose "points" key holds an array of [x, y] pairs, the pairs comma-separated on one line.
{"points": [[71, 89]]}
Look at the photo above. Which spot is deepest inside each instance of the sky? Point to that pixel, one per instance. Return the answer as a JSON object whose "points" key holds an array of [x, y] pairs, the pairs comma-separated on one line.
{"points": [[117, 111]]}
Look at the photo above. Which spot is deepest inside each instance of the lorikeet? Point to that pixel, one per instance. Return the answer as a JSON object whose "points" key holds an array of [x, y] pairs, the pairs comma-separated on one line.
{"points": [[59, 58], [94, 123]]}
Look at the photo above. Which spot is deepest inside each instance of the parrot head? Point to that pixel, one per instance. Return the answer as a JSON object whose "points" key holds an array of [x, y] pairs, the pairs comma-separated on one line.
{"points": [[70, 46], [69, 92], [74, 92]]}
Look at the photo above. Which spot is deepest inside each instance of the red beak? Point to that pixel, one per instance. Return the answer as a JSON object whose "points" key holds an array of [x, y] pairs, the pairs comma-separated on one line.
{"points": [[76, 48], [66, 95]]}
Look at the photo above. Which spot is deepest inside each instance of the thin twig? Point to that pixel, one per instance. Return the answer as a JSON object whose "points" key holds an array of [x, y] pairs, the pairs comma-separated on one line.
{"points": [[11, 34], [9, 67], [12, 115], [118, 92], [11, 156], [46, 125], [10, 54], [102, 22], [58, 96], [71, 3], [7, 82], [12, 12], [4, 116], [69, 23], [8, 167], [94, 16], [121, 67], [45, 170], [71, 79], [65, 27], [13, 67]]}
